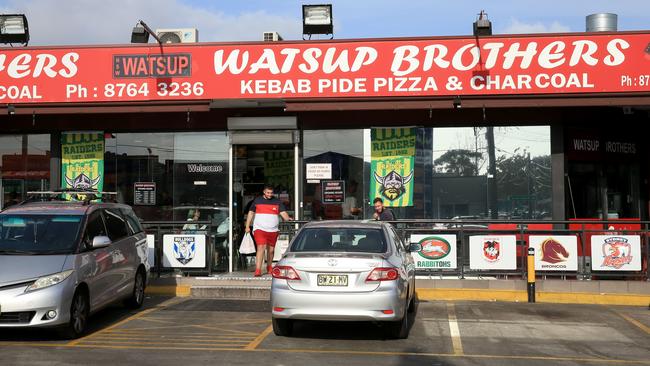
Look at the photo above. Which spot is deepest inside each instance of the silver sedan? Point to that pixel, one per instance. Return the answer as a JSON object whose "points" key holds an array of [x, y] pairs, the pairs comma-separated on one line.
{"points": [[345, 271]]}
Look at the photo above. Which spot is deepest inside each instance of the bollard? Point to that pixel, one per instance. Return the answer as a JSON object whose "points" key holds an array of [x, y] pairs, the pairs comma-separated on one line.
{"points": [[531, 275]]}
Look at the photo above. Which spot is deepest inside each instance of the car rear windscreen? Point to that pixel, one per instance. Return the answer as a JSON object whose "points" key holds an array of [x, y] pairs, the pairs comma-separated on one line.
{"points": [[340, 240], [38, 234]]}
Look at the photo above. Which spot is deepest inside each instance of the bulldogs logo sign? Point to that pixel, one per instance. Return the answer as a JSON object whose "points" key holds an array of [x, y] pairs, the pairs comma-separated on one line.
{"points": [[184, 248], [616, 252], [491, 250], [392, 184]]}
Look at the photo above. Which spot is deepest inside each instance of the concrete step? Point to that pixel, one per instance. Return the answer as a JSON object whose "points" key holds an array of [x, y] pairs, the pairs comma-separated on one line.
{"points": [[232, 292]]}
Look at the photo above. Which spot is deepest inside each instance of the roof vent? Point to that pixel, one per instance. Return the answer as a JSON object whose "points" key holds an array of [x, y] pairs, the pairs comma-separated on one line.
{"points": [[602, 22]]}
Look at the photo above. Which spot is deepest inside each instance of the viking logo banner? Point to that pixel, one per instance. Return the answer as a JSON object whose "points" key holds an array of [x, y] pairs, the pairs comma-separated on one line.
{"points": [[393, 160], [82, 161]]}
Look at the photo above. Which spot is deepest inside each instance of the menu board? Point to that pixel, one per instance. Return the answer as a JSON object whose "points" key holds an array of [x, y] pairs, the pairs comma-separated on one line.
{"points": [[144, 193], [333, 191]]}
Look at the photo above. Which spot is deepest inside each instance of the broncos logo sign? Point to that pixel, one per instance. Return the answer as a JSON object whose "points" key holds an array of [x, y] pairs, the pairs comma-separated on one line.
{"points": [[392, 184]]}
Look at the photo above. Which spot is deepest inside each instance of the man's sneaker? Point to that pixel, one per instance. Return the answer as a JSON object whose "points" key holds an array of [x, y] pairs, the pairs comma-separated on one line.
{"points": [[258, 272]]}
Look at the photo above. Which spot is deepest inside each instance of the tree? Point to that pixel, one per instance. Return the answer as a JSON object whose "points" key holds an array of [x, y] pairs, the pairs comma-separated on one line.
{"points": [[519, 175], [459, 162]]}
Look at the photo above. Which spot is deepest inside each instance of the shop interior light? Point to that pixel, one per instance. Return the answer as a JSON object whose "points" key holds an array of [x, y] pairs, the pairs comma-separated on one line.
{"points": [[482, 26], [317, 19], [14, 29], [141, 32]]}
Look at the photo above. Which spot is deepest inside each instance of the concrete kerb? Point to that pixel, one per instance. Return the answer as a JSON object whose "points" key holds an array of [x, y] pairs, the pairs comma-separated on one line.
{"points": [[562, 292]]}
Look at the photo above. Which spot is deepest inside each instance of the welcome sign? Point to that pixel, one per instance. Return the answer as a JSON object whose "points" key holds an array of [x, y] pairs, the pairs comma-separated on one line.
{"points": [[82, 160], [392, 168]]}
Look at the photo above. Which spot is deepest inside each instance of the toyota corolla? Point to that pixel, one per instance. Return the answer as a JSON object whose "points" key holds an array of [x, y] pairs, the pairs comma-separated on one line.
{"points": [[345, 271]]}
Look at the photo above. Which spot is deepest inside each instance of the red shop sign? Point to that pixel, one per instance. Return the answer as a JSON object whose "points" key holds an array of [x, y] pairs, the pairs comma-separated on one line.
{"points": [[578, 63]]}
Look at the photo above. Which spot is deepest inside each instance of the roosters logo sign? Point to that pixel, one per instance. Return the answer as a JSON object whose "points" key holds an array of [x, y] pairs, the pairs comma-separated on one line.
{"points": [[616, 252]]}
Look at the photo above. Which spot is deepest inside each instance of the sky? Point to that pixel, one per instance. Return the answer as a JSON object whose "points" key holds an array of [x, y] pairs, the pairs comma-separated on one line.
{"points": [[68, 22]]}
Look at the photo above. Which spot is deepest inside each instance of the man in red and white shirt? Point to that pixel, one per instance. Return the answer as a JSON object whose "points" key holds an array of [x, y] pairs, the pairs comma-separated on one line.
{"points": [[264, 213]]}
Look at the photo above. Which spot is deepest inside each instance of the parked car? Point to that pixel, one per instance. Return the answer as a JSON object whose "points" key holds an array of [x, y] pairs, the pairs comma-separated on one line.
{"points": [[62, 261], [345, 271]]}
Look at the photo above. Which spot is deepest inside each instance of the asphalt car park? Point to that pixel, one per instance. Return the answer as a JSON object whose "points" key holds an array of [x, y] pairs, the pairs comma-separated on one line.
{"points": [[170, 331]]}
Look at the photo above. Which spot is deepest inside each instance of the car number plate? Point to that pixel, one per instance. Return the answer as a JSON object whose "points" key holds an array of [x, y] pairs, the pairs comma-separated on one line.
{"points": [[332, 280]]}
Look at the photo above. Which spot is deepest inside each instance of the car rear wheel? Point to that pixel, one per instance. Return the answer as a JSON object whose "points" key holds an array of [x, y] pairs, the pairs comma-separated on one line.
{"points": [[282, 327], [412, 305], [79, 310], [137, 297], [400, 328]]}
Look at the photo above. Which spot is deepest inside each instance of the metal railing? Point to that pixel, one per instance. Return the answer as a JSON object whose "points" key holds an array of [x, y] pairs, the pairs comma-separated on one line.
{"points": [[463, 230]]}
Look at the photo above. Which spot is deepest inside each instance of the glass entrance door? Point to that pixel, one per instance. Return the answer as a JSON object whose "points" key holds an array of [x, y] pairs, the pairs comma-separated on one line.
{"points": [[254, 166]]}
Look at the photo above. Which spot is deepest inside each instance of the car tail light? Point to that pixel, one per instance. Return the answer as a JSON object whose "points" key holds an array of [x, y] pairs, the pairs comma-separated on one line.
{"points": [[383, 274], [284, 273]]}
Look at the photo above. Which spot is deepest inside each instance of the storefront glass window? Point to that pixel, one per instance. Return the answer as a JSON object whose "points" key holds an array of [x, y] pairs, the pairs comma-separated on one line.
{"points": [[461, 182], [24, 166], [342, 153]]}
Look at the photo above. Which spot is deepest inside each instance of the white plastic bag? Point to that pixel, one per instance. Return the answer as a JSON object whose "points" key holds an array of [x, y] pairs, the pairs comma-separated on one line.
{"points": [[247, 244]]}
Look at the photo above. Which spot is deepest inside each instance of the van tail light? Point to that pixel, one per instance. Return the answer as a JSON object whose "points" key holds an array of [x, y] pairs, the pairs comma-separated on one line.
{"points": [[383, 274], [284, 273]]}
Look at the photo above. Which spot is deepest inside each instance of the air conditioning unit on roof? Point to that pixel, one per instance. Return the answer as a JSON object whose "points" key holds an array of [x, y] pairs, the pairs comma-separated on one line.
{"points": [[271, 37], [178, 35]]}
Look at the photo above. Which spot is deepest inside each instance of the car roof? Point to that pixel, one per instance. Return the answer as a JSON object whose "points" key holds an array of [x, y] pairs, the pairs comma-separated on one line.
{"points": [[57, 207], [340, 224]]}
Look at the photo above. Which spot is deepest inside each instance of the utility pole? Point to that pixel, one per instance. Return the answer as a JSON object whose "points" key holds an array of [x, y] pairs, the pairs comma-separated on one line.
{"points": [[492, 174]]}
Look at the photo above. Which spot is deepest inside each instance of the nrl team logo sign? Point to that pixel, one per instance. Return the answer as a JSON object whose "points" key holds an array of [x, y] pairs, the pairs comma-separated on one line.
{"points": [[434, 248], [554, 252], [82, 181], [491, 250], [392, 184], [616, 252], [184, 248]]}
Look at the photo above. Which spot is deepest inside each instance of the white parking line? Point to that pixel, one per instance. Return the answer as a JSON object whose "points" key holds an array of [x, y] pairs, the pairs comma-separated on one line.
{"points": [[454, 330]]}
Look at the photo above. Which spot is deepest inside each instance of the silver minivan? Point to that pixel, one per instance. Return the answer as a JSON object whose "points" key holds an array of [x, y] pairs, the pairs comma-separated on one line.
{"points": [[62, 261]]}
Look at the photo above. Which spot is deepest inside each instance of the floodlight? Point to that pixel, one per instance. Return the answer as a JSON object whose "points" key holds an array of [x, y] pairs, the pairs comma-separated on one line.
{"points": [[14, 29], [317, 19], [141, 32], [482, 26]]}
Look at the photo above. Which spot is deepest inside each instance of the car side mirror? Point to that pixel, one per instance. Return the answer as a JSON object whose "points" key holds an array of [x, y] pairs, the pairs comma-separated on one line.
{"points": [[415, 247], [101, 242]]}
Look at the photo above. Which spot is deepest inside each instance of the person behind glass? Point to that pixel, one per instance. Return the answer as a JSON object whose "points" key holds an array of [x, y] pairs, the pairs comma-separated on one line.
{"points": [[264, 214], [192, 215], [349, 208], [381, 213]]}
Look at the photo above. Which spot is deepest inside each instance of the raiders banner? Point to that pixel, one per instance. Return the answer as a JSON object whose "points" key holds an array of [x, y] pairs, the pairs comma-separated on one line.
{"points": [[82, 160], [393, 160]]}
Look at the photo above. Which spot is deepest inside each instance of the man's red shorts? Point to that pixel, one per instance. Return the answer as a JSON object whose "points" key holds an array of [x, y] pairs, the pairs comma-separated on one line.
{"points": [[265, 237]]}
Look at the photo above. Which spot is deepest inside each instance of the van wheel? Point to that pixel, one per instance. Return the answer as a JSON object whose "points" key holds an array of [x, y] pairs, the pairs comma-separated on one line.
{"points": [[79, 310], [282, 327], [137, 297]]}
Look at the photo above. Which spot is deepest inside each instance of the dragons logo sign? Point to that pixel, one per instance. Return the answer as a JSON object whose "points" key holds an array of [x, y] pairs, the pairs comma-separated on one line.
{"points": [[392, 184], [491, 250], [82, 181]]}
